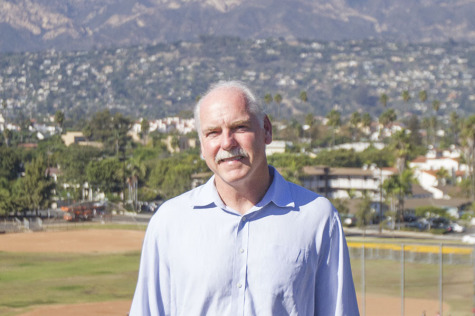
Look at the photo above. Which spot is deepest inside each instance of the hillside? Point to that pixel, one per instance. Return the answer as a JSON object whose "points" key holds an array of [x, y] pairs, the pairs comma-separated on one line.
{"points": [[164, 79], [32, 25]]}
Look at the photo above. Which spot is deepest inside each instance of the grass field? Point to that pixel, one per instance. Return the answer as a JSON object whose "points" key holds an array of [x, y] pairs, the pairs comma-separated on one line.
{"points": [[35, 279], [30, 279]]}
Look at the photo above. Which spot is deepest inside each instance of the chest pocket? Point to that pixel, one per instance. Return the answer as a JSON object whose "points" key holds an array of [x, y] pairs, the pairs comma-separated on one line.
{"points": [[278, 268]]}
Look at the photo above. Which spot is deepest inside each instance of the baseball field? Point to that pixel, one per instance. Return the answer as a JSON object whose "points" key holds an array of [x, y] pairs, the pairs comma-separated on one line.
{"points": [[93, 272]]}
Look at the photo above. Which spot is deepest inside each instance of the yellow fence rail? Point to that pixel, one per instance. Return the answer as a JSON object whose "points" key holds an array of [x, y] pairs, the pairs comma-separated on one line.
{"points": [[413, 248]]}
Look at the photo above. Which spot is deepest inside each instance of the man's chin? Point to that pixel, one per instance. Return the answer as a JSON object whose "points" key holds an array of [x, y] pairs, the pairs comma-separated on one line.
{"points": [[232, 176]]}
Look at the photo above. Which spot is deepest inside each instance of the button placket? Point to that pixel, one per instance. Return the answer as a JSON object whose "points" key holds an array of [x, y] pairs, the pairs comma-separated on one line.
{"points": [[240, 264]]}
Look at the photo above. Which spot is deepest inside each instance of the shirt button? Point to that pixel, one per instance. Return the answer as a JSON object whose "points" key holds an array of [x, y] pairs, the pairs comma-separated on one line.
{"points": [[241, 250], [244, 218], [239, 285]]}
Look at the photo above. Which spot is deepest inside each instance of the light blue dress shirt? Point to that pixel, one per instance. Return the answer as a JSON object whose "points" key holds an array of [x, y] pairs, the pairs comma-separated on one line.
{"points": [[286, 256]]}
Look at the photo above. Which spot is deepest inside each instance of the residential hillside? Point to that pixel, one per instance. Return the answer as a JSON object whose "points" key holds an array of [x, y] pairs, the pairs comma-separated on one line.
{"points": [[165, 79]]}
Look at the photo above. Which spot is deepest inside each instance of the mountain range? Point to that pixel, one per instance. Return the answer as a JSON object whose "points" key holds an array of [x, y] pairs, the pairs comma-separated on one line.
{"points": [[35, 25]]}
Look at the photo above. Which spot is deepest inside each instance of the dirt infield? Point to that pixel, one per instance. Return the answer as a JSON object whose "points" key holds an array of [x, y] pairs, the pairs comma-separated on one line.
{"points": [[76, 241], [113, 241]]}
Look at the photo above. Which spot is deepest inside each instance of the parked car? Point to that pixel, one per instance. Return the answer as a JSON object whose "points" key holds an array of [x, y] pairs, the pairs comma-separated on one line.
{"points": [[420, 224], [348, 220], [457, 228], [440, 223]]}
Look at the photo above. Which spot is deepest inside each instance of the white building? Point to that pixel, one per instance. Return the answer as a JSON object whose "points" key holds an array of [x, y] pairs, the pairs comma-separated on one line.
{"points": [[166, 125], [344, 182], [426, 168], [276, 147]]}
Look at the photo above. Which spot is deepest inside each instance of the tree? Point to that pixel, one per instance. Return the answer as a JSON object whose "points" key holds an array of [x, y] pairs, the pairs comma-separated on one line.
{"points": [[310, 121], [355, 120], [59, 118], [7, 135], [171, 176], [144, 129], [468, 143], [366, 120], [303, 96], [454, 126], [435, 107], [406, 96], [387, 117], [423, 96], [341, 205], [5, 196], [442, 175], [414, 136], [268, 98], [396, 188], [383, 99], [364, 213], [334, 120], [109, 129], [401, 146], [278, 99], [36, 187], [10, 163], [106, 175]]}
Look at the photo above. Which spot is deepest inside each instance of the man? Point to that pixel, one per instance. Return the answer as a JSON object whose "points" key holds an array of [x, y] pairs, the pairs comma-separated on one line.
{"points": [[247, 242]]}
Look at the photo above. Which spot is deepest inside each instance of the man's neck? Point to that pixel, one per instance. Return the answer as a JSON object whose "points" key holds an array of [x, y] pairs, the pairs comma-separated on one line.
{"points": [[243, 196]]}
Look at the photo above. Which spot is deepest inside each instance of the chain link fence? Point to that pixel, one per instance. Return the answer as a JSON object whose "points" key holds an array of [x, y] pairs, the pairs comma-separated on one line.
{"points": [[427, 272]]}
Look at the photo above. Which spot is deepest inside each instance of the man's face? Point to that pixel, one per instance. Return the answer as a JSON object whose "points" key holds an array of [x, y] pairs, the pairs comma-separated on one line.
{"points": [[232, 140]]}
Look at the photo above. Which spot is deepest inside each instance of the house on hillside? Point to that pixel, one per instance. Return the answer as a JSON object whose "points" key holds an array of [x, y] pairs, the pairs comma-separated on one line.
{"points": [[427, 171], [70, 138], [276, 147], [344, 182]]}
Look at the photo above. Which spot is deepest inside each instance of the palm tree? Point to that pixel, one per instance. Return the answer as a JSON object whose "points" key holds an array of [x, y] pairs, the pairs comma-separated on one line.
{"points": [[387, 117], [423, 96], [59, 118], [355, 120], [455, 126], [268, 98], [303, 96], [366, 120], [334, 120], [435, 107], [7, 134], [468, 143], [396, 188], [278, 100], [309, 121], [406, 96], [383, 99], [364, 212], [442, 174], [144, 128]]}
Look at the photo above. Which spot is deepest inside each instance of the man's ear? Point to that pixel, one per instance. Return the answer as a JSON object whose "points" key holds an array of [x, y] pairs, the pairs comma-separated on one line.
{"points": [[267, 130]]}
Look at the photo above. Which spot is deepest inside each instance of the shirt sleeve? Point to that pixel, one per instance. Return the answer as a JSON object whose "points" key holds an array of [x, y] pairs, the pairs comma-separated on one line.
{"points": [[152, 292], [335, 291]]}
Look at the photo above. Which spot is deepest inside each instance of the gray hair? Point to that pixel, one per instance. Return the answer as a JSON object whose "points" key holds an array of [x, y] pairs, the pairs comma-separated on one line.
{"points": [[252, 104]]}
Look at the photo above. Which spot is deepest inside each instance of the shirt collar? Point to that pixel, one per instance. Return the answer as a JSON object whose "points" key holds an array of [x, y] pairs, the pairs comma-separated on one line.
{"points": [[278, 193]]}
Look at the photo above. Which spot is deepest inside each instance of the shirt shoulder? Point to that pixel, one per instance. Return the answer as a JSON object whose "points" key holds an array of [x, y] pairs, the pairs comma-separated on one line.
{"points": [[306, 198], [176, 207]]}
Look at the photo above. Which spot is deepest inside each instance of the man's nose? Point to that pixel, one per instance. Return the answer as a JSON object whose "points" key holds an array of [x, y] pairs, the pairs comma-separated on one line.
{"points": [[228, 141]]}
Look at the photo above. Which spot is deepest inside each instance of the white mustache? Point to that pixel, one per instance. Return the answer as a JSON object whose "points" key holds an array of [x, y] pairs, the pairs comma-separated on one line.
{"points": [[225, 154]]}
